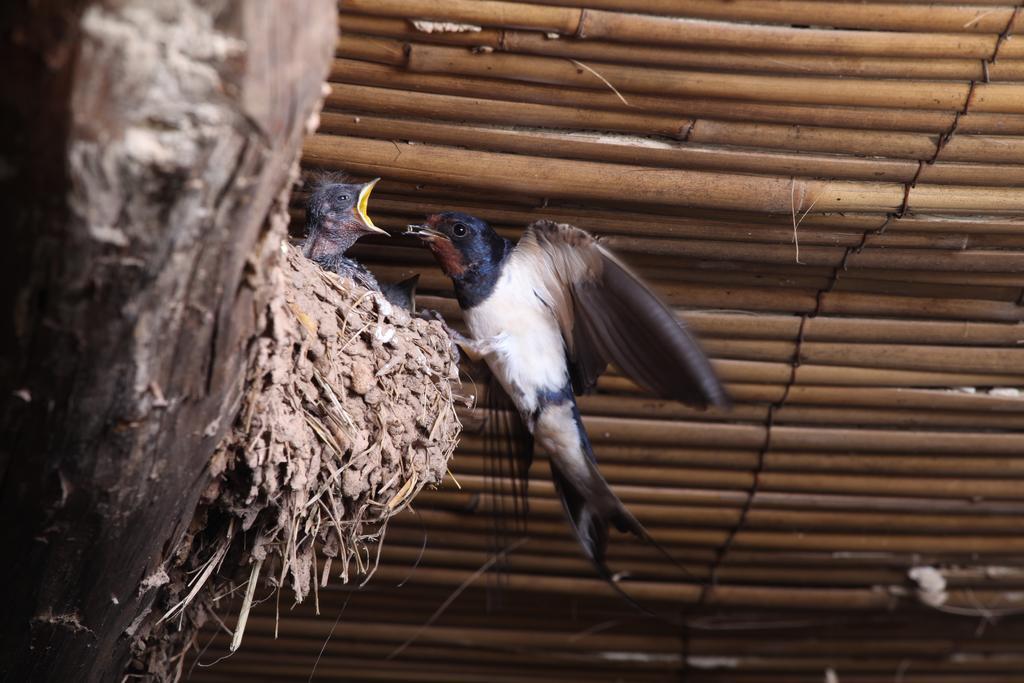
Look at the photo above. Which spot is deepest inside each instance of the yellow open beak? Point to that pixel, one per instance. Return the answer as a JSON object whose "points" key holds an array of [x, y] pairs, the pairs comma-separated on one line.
{"points": [[364, 198]]}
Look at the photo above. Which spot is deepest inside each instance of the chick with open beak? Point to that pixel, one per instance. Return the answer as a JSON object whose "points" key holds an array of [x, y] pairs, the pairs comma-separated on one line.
{"points": [[335, 219]]}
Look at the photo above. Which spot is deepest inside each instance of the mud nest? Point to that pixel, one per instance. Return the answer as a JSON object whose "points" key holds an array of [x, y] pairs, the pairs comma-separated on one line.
{"points": [[348, 412]]}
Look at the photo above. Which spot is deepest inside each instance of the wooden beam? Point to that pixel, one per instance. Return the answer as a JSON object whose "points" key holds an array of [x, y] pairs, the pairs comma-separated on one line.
{"points": [[147, 150]]}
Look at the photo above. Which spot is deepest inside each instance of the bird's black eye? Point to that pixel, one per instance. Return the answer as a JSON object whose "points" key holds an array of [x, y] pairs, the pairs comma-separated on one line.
{"points": [[459, 229], [343, 197]]}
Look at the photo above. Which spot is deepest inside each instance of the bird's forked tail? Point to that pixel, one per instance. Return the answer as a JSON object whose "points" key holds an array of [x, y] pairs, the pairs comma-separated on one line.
{"points": [[589, 502]]}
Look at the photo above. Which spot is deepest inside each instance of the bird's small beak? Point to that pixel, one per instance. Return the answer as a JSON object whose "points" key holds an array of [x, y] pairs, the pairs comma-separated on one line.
{"points": [[364, 198], [424, 232]]}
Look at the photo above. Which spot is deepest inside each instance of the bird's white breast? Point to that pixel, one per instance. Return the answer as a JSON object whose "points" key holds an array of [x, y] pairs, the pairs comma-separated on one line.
{"points": [[528, 354]]}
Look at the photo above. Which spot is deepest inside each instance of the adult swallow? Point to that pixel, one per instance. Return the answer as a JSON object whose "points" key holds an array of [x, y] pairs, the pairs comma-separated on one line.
{"points": [[547, 315], [335, 219]]}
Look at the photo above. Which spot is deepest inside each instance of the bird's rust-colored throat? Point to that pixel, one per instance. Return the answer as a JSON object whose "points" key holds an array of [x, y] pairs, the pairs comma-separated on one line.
{"points": [[448, 256]]}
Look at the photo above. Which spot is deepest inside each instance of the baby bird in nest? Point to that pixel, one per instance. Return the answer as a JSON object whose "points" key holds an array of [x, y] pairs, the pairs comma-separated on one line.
{"points": [[402, 294], [336, 218]]}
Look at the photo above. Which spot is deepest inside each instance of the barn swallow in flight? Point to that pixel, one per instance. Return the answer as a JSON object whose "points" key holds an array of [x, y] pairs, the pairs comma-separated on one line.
{"points": [[335, 219], [547, 315]]}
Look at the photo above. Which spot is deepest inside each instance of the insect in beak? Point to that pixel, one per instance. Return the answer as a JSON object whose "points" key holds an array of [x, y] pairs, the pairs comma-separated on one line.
{"points": [[424, 232]]}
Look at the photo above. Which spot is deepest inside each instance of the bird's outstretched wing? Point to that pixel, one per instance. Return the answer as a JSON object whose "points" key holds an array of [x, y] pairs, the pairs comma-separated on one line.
{"points": [[608, 315]]}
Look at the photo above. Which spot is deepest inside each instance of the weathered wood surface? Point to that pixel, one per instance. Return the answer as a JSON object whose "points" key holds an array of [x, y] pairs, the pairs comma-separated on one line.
{"points": [[145, 144]]}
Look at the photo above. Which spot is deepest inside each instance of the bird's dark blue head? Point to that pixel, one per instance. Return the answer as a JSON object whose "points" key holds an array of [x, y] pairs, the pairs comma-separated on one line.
{"points": [[469, 251], [336, 217]]}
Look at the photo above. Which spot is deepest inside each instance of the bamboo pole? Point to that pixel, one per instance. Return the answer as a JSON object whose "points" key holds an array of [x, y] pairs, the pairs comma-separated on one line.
{"points": [[773, 373], [974, 260], [548, 564], [960, 465], [592, 180], [748, 61], [868, 540], [369, 49], [731, 468], [646, 29], [552, 177], [698, 645], [803, 598], [832, 415], [890, 16], [365, 73], [952, 173], [805, 300], [870, 118], [823, 328], [358, 669], [936, 95], [839, 414], [483, 637], [625, 552], [605, 147], [851, 303], [362, 99], [882, 282], [796, 499], [487, 12], [631, 556], [951, 198], [874, 638], [656, 517], [587, 664], [901, 357], [661, 433], [938, 240], [850, 635], [603, 51], [1002, 149], [894, 398], [823, 482], [780, 656], [759, 372], [524, 562], [875, 143], [962, 148], [858, 635]]}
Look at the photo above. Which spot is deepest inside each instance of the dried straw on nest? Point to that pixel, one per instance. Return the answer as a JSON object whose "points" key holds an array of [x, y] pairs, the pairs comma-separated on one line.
{"points": [[348, 413]]}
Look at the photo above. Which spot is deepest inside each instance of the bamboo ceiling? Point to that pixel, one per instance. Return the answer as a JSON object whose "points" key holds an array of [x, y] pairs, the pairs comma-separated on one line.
{"points": [[831, 193]]}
